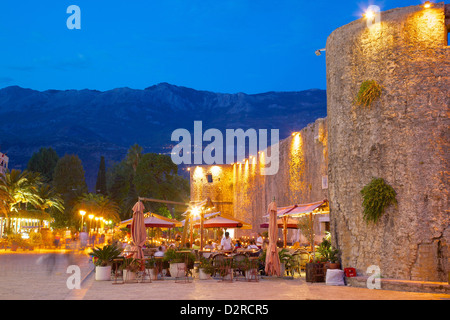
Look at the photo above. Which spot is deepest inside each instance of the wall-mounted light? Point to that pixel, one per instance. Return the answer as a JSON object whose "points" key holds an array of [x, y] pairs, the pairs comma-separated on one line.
{"points": [[369, 14], [319, 52], [427, 5]]}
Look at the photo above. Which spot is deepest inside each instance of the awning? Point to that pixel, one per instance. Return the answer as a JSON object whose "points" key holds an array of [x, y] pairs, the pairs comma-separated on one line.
{"points": [[301, 209], [197, 218], [291, 223], [154, 221], [224, 221]]}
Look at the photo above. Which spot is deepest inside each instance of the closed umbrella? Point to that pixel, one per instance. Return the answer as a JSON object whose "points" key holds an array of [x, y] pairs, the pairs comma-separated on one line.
{"points": [[273, 265], [138, 234]]}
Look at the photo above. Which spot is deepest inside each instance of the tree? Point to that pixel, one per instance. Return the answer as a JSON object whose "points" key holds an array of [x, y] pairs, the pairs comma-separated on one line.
{"points": [[99, 205], [100, 186], [120, 189], [44, 162], [134, 155], [69, 176], [69, 181], [19, 193], [157, 177]]}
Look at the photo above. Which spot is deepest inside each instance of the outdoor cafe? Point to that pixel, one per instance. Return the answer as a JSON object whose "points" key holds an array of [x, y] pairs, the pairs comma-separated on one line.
{"points": [[148, 258]]}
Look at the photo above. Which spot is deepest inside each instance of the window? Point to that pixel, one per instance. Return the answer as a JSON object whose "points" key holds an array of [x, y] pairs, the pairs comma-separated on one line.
{"points": [[209, 178]]}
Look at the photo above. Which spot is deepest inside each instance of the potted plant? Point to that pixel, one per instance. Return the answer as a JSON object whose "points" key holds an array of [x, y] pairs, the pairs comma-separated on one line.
{"points": [[328, 254], [285, 258], [206, 269], [177, 262], [130, 267], [150, 266], [102, 258]]}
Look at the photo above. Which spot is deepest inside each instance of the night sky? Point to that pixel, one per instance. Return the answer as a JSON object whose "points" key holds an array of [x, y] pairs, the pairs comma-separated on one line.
{"points": [[228, 46]]}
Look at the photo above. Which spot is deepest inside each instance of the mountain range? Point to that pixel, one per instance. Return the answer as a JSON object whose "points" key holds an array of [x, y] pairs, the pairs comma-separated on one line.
{"points": [[92, 123]]}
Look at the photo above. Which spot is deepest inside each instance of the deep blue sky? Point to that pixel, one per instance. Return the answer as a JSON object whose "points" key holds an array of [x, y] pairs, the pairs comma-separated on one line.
{"points": [[231, 46]]}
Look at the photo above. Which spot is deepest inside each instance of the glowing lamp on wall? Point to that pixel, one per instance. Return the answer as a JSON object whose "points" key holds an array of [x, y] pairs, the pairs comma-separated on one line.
{"points": [[369, 14], [427, 5]]}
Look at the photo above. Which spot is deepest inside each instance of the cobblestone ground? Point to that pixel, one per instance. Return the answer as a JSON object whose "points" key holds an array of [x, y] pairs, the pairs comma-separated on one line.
{"points": [[34, 276]]}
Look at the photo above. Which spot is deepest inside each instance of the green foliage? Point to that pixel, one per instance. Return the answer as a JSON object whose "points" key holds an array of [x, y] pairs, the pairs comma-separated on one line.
{"points": [[44, 161], [100, 186], [150, 263], [105, 254], [368, 92], [207, 266], [99, 205], [306, 227], [68, 177], [69, 181], [326, 252], [172, 256], [131, 264], [377, 196]]}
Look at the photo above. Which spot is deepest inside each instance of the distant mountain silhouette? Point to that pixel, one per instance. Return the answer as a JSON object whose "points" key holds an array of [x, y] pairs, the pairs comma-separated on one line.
{"points": [[93, 123]]}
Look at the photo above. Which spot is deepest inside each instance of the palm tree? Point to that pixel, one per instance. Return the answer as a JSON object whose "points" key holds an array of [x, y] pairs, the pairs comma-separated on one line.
{"points": [[18, 190], [50, 202], [134, 156], [99, 205]]}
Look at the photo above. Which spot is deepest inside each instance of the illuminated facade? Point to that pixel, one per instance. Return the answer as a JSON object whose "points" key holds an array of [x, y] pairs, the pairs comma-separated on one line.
{"points": [[242, 191]]}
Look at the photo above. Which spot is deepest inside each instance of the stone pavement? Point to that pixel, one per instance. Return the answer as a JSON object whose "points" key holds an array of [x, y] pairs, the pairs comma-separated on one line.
{"points": [[21, 277]]}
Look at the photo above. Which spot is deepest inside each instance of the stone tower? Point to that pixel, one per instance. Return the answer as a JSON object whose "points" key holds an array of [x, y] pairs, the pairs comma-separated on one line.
{"points": [[403, 137]]}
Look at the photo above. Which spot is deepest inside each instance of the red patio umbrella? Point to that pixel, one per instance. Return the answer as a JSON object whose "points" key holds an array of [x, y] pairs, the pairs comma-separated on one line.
{"points": [[138, 234], [273, 265]]}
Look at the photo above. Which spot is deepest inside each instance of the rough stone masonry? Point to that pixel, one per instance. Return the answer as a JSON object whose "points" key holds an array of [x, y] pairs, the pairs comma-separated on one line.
{"points": [[403, 138]]}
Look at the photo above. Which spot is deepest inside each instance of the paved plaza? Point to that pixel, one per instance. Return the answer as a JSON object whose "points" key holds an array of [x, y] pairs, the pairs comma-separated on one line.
{"points": [[42, 276]]}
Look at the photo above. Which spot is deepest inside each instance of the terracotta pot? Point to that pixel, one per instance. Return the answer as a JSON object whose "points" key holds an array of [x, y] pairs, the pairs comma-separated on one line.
{"points": [[331, 265]]}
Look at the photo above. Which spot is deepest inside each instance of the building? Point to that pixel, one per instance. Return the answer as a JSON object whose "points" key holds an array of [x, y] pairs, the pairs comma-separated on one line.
{"points": [[3, 163]]}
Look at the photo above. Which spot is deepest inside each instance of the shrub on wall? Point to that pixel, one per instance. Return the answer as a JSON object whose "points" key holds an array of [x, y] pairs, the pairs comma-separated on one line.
{"points": [[377, 196], [368, 92]]}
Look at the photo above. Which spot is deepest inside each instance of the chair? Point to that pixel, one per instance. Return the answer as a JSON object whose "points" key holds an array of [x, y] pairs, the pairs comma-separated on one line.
{"points": [[252, 272], [304, 258], [159, 265], [118, 273], [240, 264], [144, 273], [217, 261]]}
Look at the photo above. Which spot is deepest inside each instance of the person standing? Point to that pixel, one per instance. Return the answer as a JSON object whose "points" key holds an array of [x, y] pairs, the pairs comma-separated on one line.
{"points": [[227, 242], [259, 241]]}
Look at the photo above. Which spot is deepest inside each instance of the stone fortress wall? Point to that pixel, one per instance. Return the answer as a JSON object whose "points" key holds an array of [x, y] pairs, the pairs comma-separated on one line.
{"points": [[240, 190], [403, 138]]}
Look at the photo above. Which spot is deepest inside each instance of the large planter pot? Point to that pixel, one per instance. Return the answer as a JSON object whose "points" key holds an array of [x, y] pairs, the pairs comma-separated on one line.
{"points": [[152, 273], [103, 273], [315, 272], [177, 270], [282, 269], [129, 275], [202, 275], [250, 274]]}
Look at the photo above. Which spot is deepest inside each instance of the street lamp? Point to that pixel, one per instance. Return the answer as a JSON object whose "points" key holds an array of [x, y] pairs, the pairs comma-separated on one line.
{"points": [[91, 216], [82, 213]]}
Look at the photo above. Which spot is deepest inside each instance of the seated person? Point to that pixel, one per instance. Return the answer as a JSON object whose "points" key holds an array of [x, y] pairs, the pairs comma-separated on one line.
{"points": [[252, 245], [196, 245], [209, 246], [160, 252]]}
